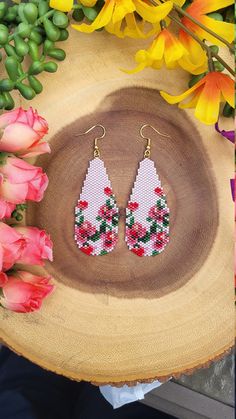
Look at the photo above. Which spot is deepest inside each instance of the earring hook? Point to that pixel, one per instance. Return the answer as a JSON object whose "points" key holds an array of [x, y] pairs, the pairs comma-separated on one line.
{"points": [[147, 153], [96, 148]]}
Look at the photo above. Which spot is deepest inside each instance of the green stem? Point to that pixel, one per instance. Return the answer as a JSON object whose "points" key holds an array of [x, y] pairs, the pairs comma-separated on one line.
{"points": [[36, 23], [163, 24], [198, 23], [227, 67], [47, 15], [211, 65]]}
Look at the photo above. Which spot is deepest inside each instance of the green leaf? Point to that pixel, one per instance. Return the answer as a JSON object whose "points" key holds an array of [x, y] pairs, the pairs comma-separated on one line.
{"points": [[153, 227], [95, 237], [81, 220], [6, 85], [132, 221], [166, 220], [3, 157], [26, 91], [11, 64], [145, 238], [115, 221], [103, 253], [50, 67], [78, 15], [57, 53], [60, 19], [228, 111], [9, 102], [30, 12], [90, 13], [103, 227]]}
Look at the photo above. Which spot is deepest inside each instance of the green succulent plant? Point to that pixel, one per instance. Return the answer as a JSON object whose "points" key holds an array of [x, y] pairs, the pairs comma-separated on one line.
{"points": [[29, 37]]}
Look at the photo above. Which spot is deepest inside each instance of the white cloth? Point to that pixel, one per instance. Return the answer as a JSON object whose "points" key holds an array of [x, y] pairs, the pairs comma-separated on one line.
{"points": [[118, 397]]}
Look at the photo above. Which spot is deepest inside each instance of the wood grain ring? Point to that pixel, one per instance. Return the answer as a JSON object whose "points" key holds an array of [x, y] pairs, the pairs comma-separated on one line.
{"points": [[183, 166]]}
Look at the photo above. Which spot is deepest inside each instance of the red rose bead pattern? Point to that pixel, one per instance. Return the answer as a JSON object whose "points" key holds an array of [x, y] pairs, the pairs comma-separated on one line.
{"points": [[147, 215], [96, 213], [133, 206]]}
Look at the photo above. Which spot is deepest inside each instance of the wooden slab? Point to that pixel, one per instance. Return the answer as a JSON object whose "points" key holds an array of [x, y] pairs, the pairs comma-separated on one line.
{"points": [[119, 318]]}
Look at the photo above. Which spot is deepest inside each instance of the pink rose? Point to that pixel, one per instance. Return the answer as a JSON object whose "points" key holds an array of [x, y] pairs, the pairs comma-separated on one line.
{"points": [[6, 209], [134, 233], [22, 132], [106, 213], [20, 181], [11, 246], [83, 232], [38, 246], [82, 205], [110, 239], [157, 214], [24, 292], [133, 206], [160, 240], [139, 251], [159, 191], [88, 250], [108, 191]]}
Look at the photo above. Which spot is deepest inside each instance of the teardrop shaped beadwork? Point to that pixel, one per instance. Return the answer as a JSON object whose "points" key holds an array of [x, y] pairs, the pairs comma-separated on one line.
{"points": [[147, 214], [96, 213]]}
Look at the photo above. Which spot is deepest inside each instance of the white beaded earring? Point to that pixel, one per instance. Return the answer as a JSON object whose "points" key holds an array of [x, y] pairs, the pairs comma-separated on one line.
{"points": [[96, 213], [147, 214]]}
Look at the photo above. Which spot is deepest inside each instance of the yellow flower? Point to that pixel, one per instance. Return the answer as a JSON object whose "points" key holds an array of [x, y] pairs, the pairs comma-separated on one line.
{"points": [[122, 17], [199, 10], [166, 48], [206, 96], [196, 61], [63, 5]]}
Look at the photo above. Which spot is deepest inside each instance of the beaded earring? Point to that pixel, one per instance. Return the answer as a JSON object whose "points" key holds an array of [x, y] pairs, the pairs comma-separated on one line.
{"points": [[96, 213], [147, 213]]}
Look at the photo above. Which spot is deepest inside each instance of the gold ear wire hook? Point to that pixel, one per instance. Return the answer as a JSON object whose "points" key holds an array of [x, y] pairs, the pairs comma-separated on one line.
{"points": [[147, 153], [96, 148]]}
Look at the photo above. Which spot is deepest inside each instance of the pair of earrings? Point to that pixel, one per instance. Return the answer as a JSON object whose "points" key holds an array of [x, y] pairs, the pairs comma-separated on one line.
{"points": [[97, 213]]}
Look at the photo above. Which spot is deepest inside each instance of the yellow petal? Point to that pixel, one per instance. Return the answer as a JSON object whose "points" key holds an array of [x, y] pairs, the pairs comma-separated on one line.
{"points": [[63, 5], [226, 85], [179, 2], [143, 59], [88, 3], [193, 101], [133, 29], [141, 29], [115, 29], [208, 6], [153, 14], [175, 99], [208, 106], [137, 69], [195, 60], [122, 8], [157, 48], [101, 20], [174, 49], [224, 29], [186, 63], [157, 64]]}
